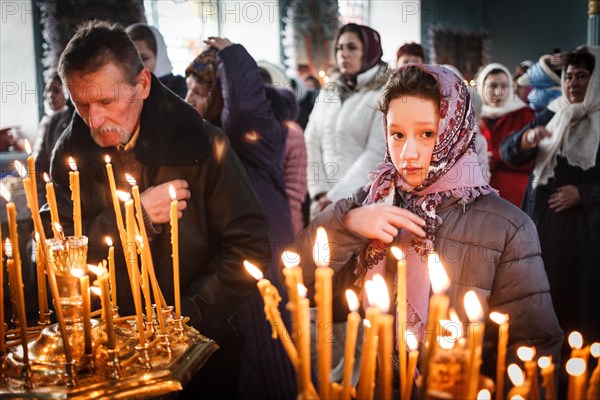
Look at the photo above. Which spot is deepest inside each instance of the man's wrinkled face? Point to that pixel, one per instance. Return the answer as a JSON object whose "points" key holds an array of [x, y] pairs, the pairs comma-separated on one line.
{"points": [[110, 106]]}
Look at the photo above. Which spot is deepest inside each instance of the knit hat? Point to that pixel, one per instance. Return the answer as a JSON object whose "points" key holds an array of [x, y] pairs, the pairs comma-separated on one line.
{"points": [[205, 66]]}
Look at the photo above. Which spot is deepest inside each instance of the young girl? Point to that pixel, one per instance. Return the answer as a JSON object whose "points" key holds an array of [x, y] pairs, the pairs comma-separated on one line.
{"points": [[429, 195]]}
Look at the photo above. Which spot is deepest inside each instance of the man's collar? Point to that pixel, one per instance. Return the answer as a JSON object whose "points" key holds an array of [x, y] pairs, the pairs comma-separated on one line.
{"points": [[131, 143]]}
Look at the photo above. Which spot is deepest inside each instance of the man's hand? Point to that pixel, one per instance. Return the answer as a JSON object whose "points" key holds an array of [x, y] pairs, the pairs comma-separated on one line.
{"points": [[565, 197], [156, 200], [532, 137], [217, 42], [381, 222]]}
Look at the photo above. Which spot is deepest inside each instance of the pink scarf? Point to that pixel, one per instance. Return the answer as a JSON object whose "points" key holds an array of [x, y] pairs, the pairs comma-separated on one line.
{"points": [[454, 172]]}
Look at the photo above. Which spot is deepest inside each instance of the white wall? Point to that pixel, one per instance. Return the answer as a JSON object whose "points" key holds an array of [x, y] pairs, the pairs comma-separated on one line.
{"points": [[18, 93], [254, 24], [397, 22]]}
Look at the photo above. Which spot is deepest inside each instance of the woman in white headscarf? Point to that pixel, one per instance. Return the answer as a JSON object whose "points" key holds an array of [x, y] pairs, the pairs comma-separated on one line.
{"points": [[153, 51], [563, 194], [502, 113]]}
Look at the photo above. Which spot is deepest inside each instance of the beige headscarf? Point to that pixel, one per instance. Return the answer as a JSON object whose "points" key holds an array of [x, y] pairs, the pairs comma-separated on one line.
{"points": [[512, 103], [575, 130]]}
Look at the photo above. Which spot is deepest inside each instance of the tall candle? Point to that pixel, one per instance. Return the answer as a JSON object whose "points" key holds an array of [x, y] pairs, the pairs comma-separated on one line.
{"points": [[75, 196], [413, 356], [293, 276], [51, 199], [112, 271], [323, 300], [576, 369], [401, 312], [386, 335], [39, 229], [365, 383], [547, 368], [476, 328], [175, 250], [40, 259], [520, 386], [106, 304], [116, 204], [438, 308], [526, 355], [594, 386], [502, 321], [350, 343], [32, 174], [304, 352], [84, 282], [156, 292], [2, 345], [146, 279], [20, 301]]}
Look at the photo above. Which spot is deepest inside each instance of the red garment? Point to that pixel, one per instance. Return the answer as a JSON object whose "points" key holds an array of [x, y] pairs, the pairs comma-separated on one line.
{"points": [[511, 181]]}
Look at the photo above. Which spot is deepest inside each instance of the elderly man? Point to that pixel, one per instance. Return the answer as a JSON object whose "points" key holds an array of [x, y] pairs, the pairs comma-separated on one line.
{"points": [[125, 112]]}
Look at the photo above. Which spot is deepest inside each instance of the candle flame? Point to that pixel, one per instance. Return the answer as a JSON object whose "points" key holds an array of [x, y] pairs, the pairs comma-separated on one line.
{"points": [[139, 239], [5, 193], [399, 254], [58, 227], [517, 397], [595, 349], [108, 241], [544, 362], [21, 170], [130, 179], [352, 300], [27, 147], [498, 318], [36, 237], [290, 259], [8, 248], [437, 274], [98, 270], [411, 340], [72, 164], [96, 290], [172, 192], [515, 374], [77, 272], [454, 316], [366, 323], [46, 178], [484, 394], [302, 290], [453, 329], [253, 270], [321, 248], [383, 297], [445, 342], [371, 291], [473, 306], [107, 159], [321, 74], [526, 353], [123, 196], [576, 366], [575, 340]]}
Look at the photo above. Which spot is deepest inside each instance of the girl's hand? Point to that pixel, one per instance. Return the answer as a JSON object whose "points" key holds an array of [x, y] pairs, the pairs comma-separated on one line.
{"points": [[382, 221], [565, 197], [217, 42]]}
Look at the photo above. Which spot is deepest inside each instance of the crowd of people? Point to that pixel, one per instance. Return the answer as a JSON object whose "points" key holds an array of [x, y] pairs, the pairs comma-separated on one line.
{"points": [[503, 183]]}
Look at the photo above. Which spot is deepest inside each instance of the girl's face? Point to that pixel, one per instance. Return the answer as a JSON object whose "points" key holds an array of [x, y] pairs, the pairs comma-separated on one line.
{"points": [[412, 124], [349, 53], [148, 57], [495, 89], [198, 95]]}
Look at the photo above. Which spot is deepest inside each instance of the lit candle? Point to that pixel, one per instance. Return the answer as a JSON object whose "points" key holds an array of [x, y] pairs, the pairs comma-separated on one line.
{"points": [[111, 270], [401, 311], [39, 229], [306, 388], [484, 394], [40, 258], [293, 276], [438, 308], [32, 174], [476, 328], [271, 298], [51, 199], [502, 321], [594, 386], [145, 278], [75, 196], [526, 355], [115, 200], [15, 269], [576, 369], [323, 300], [545, 364], [175, 247], [520, 386], [84, 282], [368, 357], [2, 345], [103, 292], [413, 356], [386, 334], [350, 344]]}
